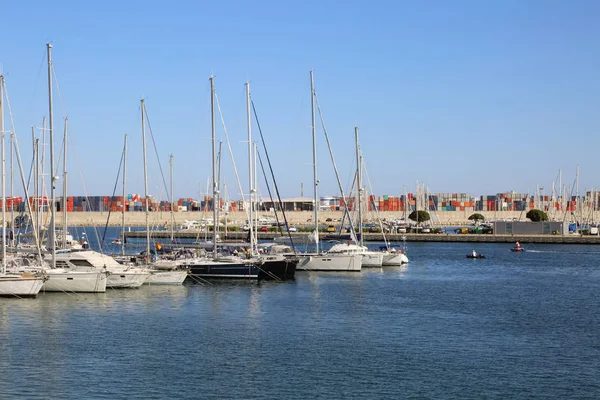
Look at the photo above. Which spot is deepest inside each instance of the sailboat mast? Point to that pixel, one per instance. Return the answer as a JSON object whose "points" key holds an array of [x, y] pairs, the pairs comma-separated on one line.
{"points": [[256, 198], [171, 179], [250, 173], [226, 206], [214, 181], [12, 186], [314, 140], [123, 205], [145, 179], [359, 185], [64, 202], [3, 271], [52, 177]]}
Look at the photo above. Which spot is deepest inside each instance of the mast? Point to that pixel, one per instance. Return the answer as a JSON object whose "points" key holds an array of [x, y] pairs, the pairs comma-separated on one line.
{"points": [[124, 198], [256, 199], [3, 270], [52, 177], [145, 180], [359, 184], [315, 181], [226, 206], [12, 186], [214, 181], [217, 204], [64, 202], [250, 173], [171, 179]]}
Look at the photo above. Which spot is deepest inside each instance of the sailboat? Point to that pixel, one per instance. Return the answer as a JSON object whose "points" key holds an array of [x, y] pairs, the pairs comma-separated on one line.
{"points": [[337, 261], [66, 279], [220, 266], [157, 276], [22, 284], [272, 266]]}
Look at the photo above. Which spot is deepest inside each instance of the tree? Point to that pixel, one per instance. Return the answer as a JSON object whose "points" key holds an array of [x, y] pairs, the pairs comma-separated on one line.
{"points": [[423, 216], [537, 215], [476, 217]]}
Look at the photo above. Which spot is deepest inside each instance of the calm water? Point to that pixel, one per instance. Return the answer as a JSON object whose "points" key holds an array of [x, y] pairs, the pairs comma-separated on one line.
{"points": [[510, 326]]}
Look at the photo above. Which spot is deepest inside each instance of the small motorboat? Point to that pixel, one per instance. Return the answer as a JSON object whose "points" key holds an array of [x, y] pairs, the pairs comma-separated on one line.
{"points": [[116, 241], [517, 249], [475, 256]]}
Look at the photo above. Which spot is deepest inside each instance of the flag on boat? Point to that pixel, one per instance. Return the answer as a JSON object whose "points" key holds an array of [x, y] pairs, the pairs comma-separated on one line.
{"points": [[158, 246]]}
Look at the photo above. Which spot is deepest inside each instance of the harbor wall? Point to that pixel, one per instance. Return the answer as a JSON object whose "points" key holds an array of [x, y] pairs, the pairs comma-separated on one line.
{"points": [[160, 218]]}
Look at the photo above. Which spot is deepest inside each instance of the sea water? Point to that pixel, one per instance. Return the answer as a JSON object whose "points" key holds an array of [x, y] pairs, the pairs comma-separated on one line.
{"points": [[513, 325]]}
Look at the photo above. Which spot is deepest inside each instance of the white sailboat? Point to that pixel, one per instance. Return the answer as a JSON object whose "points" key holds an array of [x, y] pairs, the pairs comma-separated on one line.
{"points": [[63, 279], [17, 285], [323, 261]]}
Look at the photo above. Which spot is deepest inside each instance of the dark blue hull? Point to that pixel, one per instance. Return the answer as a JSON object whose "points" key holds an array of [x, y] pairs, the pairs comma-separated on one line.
{"points": [[248, 271], [278, 270]]}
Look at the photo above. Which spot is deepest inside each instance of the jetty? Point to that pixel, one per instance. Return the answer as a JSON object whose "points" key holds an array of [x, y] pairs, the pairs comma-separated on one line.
{"points": [[378, 237]]}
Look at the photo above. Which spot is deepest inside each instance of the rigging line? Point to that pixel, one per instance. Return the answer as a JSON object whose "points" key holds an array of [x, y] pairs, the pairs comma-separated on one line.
{"points": [[237, 176], [156, 151], [272, 177], [270, 195], [387, 245], [62, 103], [352, 230], [86, 195], [37, 80], [16, 143], [114, 191]]}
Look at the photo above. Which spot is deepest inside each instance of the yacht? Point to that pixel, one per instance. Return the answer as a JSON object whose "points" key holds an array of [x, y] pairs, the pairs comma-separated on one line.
{"points": [[120, 276]]}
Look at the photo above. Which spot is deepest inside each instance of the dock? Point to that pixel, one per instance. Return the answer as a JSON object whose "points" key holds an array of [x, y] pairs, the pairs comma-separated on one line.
{"points": [[378, 237]]}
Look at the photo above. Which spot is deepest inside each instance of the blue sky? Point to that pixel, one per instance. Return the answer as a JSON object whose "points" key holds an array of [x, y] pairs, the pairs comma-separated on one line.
{"points": [[464, 96]]}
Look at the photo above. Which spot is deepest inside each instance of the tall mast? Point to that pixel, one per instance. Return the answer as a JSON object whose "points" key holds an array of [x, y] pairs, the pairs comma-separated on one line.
{"points": [[359, 185], [12, 186], [123, 206], [64, 202], [256, 198], [145, 179], [3, 271], [171, 199], [226, 206], [315, 181], [214, 181], [251, 188], [218, 201], [52, 177]]}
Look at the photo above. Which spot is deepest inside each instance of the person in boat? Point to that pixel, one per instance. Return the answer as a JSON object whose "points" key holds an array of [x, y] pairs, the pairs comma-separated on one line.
{"points": [[518, 246], [474, 253]]}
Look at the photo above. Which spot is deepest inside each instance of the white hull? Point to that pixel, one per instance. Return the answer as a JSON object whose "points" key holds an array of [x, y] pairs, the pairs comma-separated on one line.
{"points": [[166, 277], [18, 286], [126, 279], [372, 259], [394, 259], [330, 262], [60, 280]]}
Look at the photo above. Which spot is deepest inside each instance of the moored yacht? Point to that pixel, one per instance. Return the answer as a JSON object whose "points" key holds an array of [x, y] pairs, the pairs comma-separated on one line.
{"points": [[120, 276]]}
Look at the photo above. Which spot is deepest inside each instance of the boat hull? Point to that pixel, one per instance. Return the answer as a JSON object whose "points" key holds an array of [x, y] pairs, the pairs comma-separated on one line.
{"points": [[222, 270], [372, 260], [126, 280], [79, 282], [325, 262], [18, 286], [279, 269], [394, 259], [166, 277]]}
